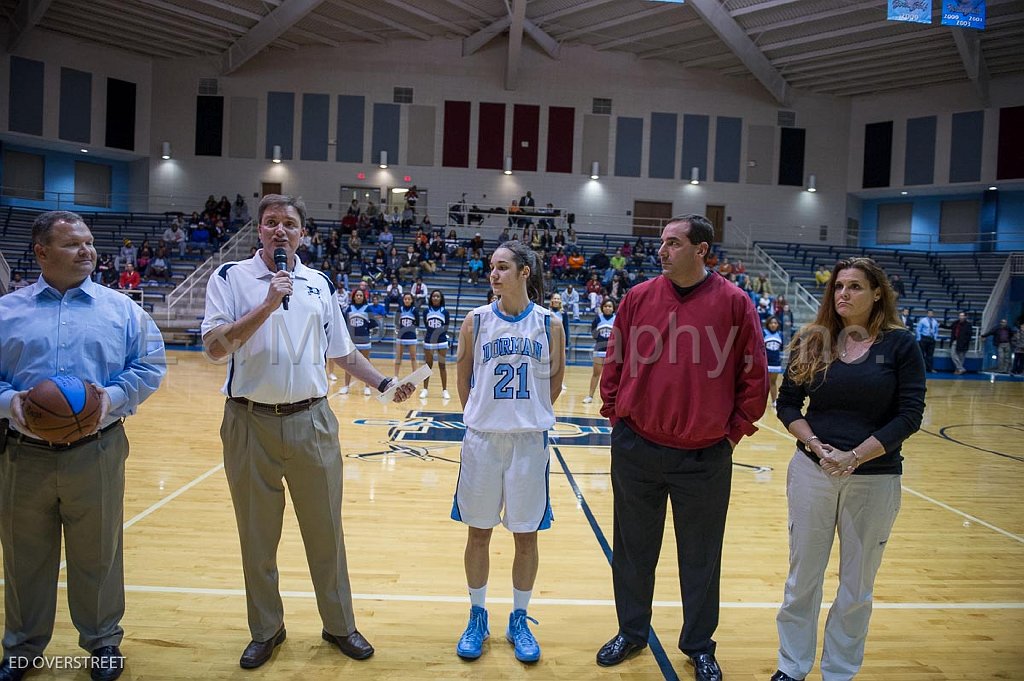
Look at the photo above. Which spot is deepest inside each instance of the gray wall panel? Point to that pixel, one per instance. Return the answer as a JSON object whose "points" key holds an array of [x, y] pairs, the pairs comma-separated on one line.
{"points": [[662, 161], [629, 140], [595, 143], [695, 145], [386, 125], [316, 112], [919, 165], [761, 152], [351, 124], [243, 120], [965, 147], [280, 123], [26, 96], [422, 133], [728, 142]]}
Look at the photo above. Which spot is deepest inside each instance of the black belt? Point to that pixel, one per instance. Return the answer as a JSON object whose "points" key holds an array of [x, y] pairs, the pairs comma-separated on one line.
{"points": [[15, 436], [278, 409]]}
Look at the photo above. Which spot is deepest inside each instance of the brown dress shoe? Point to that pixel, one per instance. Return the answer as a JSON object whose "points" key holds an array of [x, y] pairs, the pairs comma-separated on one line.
{"points": [[353, 645], [257, 653]]}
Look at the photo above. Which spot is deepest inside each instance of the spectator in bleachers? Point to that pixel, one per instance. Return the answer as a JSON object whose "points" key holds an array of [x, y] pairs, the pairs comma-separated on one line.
{"points": [[394, 262], [159, 267], [961, 333], [386, 237], [822, 276], [419, 292], [559, 264], [762, 285], [129, 279], [439, 252], [17, 281], [927, 333], [1018, 350], [559, 238], [617, 265], [475, 266], [344, 298], [616, 289], [778, 303], [711, 260], [354, 247], [764, 307], [526, 205], [174, 237], [144, 257], [513, 213], [224, 209], [897, 286], [572, 244], [905, 317], [394, 219], [575, 262], [548, 221], [627, 250], [725, 269], [504, 236], [477, 243], [371, 210], [392, 295], [412, 197], [599, 263], [571, 300], [475, 216], [426, 264], [408, 219], [211, 205], [452, 245], [788, 324], [595, 293], [558, 308], [740, 270], [239, 211], [127, 254], [353, 209], [106, 270], [199, 238], [1002, 338]]}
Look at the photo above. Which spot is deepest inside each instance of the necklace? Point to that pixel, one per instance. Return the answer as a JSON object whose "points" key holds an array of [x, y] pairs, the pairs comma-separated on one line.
{"points": [[858, 345]]}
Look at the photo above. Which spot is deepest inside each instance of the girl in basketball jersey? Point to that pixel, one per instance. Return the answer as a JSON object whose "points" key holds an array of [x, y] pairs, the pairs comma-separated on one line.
{"points": [[360, 324], [407, 319], [435, 340], [773, 346], [601, 330], [510, 366]]}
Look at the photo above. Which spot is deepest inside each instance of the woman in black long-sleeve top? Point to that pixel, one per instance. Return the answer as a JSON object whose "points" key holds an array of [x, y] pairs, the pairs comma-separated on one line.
{"points": [[864, 377]]}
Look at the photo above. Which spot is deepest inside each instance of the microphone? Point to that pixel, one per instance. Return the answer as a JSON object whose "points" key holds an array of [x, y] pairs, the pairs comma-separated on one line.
{"points": [[281, 261]]}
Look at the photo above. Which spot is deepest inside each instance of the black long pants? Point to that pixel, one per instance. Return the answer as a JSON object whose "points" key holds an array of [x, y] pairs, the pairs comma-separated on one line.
{"points": [[645, 476], [927, 344]]}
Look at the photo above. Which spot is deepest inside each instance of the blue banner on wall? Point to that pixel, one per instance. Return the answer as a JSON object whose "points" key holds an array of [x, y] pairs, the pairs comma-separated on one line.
{"points": [[916, 11], [965, 13]]}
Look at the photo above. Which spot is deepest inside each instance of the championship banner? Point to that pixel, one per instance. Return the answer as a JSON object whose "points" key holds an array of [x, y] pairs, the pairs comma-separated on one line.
{"points": [[916, 11], [965, 14]]}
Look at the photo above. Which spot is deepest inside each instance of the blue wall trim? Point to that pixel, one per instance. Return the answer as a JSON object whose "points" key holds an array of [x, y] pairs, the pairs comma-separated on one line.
{"points": [[728, 142], [662, 163]]}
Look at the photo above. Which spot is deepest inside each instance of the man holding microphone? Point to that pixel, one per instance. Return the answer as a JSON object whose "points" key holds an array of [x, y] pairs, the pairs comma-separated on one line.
{"points": [[277, 423]]}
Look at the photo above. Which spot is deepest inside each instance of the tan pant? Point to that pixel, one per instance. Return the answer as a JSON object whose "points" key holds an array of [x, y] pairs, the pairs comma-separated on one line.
{"points": [[260, 452], [80, 492]]}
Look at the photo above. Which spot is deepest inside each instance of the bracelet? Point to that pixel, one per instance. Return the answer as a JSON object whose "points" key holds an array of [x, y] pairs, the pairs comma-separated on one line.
{"points": [[856, 457], [808, 441], [383, 386]]}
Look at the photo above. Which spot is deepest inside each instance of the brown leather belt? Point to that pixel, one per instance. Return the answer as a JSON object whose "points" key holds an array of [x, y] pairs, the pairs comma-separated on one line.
{"points": [[277, 409], [20, 438]]}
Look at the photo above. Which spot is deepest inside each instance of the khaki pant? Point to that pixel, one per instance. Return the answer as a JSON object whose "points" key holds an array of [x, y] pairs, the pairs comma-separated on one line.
{"points": [[261, 451], [78, 492]]}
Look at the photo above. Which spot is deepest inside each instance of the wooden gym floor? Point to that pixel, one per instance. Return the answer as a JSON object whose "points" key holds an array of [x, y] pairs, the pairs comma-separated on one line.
{"points": [[949, 601]]}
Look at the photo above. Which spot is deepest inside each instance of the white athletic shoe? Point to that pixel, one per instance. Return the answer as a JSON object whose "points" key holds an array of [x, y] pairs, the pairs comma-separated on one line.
{"points": [[564, 387], [423, 394], [343, 391], [445, 395], [588, 399], [366, 390], [333, 377]]}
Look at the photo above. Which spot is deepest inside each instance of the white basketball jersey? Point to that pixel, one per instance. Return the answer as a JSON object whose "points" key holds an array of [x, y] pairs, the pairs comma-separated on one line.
{"points": [[511, 389]]}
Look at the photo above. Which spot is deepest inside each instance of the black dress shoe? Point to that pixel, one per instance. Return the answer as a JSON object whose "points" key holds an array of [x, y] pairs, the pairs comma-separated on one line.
{"points": [[617, 650], [107, 663], [257, 653], [705, 667], [780, 675], [15, 672], [353, 645]]}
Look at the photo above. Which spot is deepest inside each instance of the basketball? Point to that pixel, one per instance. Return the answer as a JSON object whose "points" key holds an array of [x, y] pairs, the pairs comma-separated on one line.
{"points": [[62, 409]]}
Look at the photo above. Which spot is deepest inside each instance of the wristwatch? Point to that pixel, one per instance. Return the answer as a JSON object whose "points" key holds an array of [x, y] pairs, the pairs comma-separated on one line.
{"points": [[385, 384]]}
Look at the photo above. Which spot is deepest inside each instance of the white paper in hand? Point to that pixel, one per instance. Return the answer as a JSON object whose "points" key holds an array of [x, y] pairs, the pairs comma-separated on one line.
{"points": [[415, 377]]}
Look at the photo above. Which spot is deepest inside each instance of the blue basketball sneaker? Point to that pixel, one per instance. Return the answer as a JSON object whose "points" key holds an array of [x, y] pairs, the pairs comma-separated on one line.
{"points": [[471, 643], [520, 636]]}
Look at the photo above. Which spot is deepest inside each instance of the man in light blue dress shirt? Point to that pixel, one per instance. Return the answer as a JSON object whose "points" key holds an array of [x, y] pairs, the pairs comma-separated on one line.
{"points": [[927, 333], [67, 325]]}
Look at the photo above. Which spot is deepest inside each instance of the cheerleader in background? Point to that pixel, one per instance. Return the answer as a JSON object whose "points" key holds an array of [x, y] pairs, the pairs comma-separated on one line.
{"points": [[407, 319], [773, 345], [601, 330], [360, 324], [435, 339]]}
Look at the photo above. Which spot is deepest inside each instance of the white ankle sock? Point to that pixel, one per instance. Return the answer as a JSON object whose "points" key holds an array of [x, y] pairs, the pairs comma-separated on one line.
{"points": [[478, 597], [520, 599]]}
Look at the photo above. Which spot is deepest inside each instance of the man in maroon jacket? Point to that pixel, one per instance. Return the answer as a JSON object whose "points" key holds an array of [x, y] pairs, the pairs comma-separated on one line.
{"points": [[685, 378]]}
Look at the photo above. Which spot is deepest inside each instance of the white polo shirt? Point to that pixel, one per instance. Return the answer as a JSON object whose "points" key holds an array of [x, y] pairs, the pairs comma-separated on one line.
{"points": [[284, 361]]}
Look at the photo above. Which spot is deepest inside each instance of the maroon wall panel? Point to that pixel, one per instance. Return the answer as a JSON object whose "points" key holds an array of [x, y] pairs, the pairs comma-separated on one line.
{"points": [[525, 136], [456, 135], [561, 122], [490, 140]]}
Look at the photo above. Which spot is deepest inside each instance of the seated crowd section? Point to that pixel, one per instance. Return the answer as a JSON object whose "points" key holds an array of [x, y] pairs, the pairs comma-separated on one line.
{"points": [[388, 253]]}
